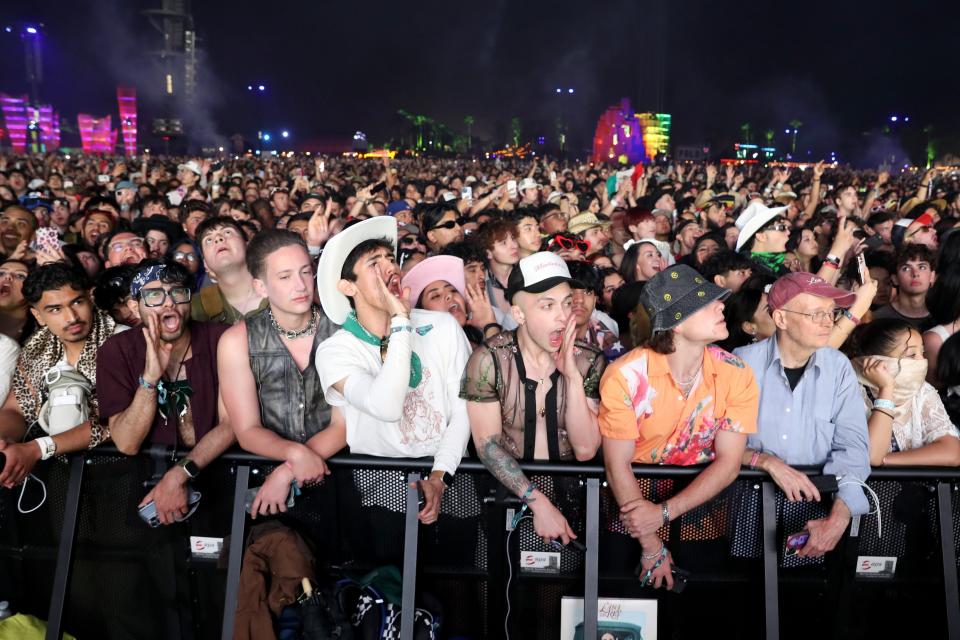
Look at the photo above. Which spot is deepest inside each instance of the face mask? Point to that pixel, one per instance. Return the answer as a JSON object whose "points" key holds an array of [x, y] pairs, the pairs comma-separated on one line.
{"points": [[908, 376]]}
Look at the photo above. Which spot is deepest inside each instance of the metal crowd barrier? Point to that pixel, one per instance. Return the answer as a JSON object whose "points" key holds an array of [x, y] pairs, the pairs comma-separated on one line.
{"points": [[590, 477]]}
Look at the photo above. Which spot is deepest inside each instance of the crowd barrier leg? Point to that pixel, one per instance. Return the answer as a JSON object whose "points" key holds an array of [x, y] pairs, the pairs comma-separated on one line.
{"points": [[61, 578], [591, 574], [949, 557], [236, 551], [410, 537], [771, 597]]}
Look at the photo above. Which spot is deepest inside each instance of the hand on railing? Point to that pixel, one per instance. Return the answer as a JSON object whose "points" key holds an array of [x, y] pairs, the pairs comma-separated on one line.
{"points": [[307, 466], [641, 518]]}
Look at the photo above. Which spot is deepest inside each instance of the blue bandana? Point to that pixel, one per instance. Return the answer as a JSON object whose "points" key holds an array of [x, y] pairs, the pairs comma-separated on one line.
{"points": [[145, 275]]}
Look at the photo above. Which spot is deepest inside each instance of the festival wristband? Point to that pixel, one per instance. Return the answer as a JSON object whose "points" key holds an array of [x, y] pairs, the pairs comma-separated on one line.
{"points": [[147, 385], [882, 403]]}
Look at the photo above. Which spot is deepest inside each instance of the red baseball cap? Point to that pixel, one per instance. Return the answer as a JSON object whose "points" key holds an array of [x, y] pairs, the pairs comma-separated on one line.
{"points": [[791, 285]]}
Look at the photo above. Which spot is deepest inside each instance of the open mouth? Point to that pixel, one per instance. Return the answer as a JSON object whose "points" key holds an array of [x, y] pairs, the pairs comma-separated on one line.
{"points": [[393, 284], [5, 289], [222, 250], [556, 338], [454, 308], [170, 322], [11, 237]]}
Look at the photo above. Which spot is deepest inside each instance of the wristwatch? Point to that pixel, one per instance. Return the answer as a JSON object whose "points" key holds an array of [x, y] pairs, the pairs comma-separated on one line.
{"points": [[48, 448], [189, 467]]}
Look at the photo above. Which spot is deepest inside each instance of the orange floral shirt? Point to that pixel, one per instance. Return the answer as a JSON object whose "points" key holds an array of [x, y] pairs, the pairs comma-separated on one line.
{"points": [[640, 401]]}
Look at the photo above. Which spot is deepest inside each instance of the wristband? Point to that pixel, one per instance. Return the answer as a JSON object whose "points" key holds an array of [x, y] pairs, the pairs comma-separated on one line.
{"points": [[849, 316], [881, 403], [525, 505], [655, 554], [47, 447], [834, 259], [147, 385], [832, 265], [754, 459], [885, 412], [665, 511], [399, 328]]}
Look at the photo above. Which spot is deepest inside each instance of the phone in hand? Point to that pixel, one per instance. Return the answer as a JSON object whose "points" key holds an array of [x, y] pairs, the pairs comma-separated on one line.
{"points": [[47, 239], [103, 178], [466, 193], [512, 188], [863, 274], [795, 542]]}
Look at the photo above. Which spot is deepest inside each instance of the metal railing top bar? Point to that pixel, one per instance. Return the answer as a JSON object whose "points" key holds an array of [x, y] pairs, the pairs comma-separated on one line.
{"points": [[590, 469]]}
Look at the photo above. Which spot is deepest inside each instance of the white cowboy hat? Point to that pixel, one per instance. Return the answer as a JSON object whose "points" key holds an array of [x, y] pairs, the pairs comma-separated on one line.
{"points": [[753, 218], [662, 248], [336, 305]]}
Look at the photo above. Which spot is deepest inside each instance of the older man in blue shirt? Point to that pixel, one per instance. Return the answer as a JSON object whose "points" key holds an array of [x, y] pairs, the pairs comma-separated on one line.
{"points": [[811, 408]]}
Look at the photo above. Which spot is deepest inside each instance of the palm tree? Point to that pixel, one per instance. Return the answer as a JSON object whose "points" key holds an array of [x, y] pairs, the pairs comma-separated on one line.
{"points": [[795, 125], [515, 130], [469, 122]]}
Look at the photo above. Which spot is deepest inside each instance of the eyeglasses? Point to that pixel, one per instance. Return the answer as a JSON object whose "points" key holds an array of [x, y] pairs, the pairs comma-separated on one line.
{"points": [[820, 316], [17, 275], [133, 243], [157, 296], [449, 224], [922, 229], [408, 241], [778, 227], [571, 243], [180, 255]]}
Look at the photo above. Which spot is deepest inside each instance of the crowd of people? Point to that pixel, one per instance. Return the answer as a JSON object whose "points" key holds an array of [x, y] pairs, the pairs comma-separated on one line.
{"points": [[677, 314]]}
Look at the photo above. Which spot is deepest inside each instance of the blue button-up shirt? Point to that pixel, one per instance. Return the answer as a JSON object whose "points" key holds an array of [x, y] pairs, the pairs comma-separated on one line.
{"points": [[820, 422]]}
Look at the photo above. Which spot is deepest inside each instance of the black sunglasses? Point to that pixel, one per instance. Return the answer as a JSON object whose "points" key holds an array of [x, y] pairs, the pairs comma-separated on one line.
{"points": [[449, 224]]}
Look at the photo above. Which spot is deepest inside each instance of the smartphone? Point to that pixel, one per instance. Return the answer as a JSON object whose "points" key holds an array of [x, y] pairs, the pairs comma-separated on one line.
{"points": [[553, 176], [322, 164], [47, 239], [449, 196], [863, 274], [103, 178], [466, 193], [148, 512], [512, 188], [216, 166], [795, 542], [252, 494], [421, 497]]}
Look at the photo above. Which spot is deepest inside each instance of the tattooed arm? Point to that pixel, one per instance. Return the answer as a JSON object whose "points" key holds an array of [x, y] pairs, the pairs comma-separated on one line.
{"points": [[487, 432]]}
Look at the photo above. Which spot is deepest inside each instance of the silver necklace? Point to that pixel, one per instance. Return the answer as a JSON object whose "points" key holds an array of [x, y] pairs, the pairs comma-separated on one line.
{"points": [[299, 333]]}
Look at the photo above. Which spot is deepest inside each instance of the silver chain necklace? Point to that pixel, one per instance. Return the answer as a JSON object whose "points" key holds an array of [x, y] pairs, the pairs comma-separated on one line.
{"points": [[299, 333]]}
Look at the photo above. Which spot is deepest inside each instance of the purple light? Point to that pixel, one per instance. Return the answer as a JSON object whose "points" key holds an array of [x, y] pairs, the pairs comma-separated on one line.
{"points": [[31, 30], [261, 87], [249, 87], [8, 29], [786, 130], [906, 118], [558, 89], [893, 118], [569, 90]]}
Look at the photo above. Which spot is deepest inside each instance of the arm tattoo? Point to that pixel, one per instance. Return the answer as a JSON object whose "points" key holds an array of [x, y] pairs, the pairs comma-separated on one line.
{"points": [[503, 466]]}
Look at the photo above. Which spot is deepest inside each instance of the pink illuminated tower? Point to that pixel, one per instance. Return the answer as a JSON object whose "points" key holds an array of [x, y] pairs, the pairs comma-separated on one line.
{"points": [[127, 103], [95, 133], [15, 120]]}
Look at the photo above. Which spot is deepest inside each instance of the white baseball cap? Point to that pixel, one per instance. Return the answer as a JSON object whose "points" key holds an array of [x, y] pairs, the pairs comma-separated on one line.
{"points": [[537, 273]]}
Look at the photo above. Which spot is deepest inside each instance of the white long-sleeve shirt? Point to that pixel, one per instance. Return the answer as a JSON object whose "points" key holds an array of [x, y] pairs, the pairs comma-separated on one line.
{"points": [[384, 416]]}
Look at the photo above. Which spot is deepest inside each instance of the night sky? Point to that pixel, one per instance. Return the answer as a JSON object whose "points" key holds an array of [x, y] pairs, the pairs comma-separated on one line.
{"points": [[841, 68]]}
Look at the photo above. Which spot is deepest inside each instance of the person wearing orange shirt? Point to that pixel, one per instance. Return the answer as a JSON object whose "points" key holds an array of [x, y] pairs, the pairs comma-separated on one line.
{"points": [[675, 400]]}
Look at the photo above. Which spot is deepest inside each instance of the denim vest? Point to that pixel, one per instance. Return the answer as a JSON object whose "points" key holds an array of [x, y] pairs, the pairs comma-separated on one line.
{"points": [[291, 402]]}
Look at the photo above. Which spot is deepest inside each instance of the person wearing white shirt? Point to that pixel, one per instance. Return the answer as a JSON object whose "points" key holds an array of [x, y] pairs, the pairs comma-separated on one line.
{"points": [[395, 374]]}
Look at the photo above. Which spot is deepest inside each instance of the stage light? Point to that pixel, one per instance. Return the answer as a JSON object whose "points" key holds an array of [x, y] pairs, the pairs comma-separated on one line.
{"points": [[893, 118], [261, 88], [266, 137], [786, 130], [31, 30], [8, 29], [285, 134], [249, 87], [558, 89], [569, 90]]}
